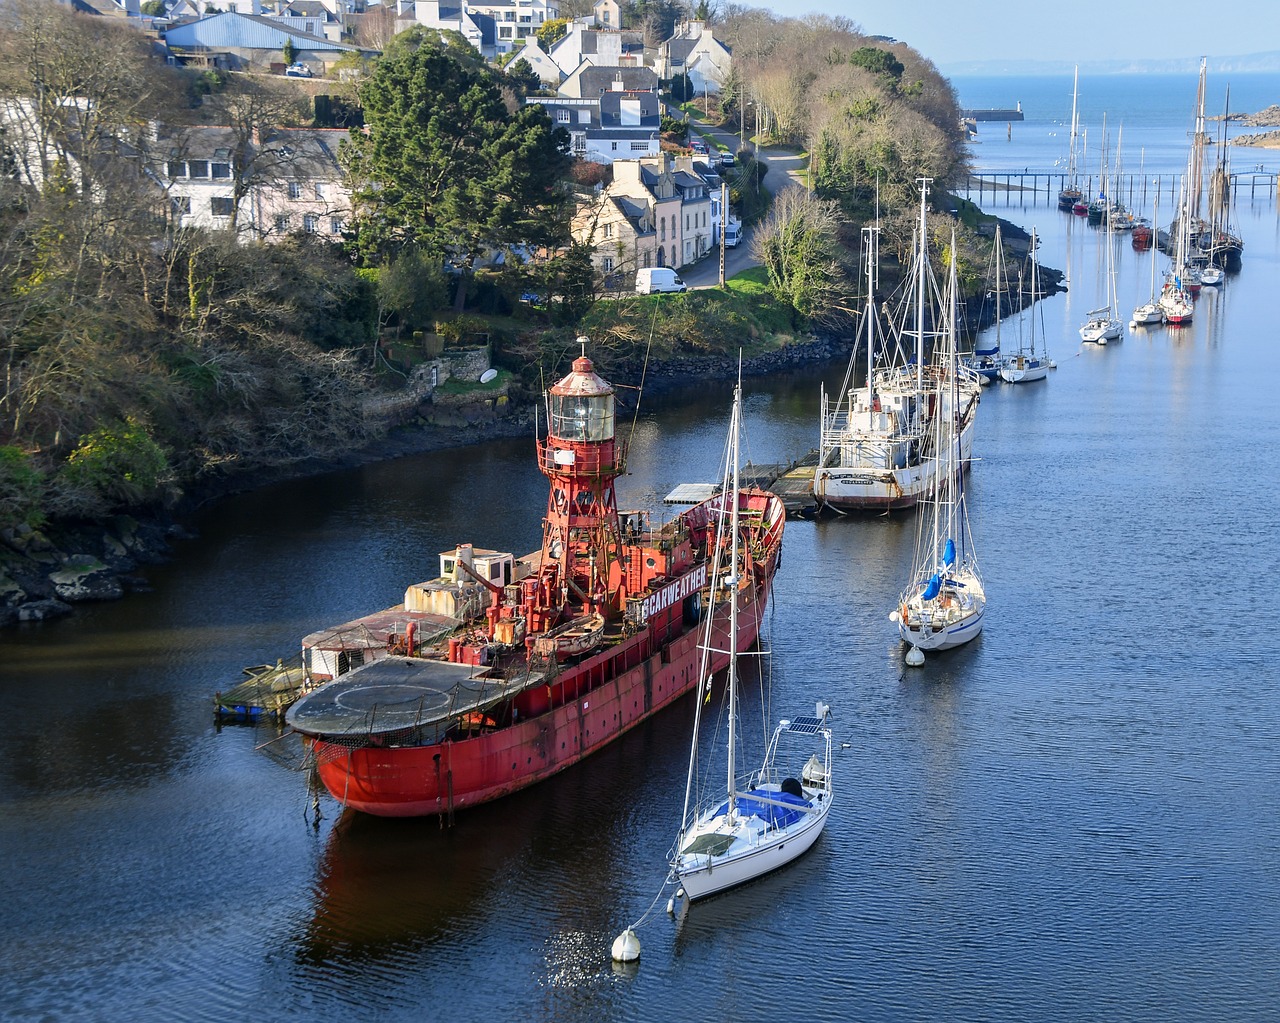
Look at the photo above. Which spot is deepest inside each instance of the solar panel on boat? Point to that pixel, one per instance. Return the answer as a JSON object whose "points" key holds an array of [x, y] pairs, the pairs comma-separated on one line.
{"points": [[805, 726]]}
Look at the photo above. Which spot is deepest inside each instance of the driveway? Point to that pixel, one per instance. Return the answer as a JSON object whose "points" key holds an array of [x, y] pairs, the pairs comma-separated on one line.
{"points": [[784, 168]]}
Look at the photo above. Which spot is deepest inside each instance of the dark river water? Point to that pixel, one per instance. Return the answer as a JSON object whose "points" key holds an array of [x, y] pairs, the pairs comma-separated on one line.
{"points": [[1075, 817]]}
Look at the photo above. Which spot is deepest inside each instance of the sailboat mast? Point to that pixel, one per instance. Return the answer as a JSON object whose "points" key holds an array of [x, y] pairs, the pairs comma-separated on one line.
{"points": [[870, 233], [1034, 277], [735, 452], [920, 289], [1075, 129], [950, 344], [1197, 147]]}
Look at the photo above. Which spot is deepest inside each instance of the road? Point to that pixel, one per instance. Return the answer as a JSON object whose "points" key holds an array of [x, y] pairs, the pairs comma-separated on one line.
{"points": [[784, 166]]}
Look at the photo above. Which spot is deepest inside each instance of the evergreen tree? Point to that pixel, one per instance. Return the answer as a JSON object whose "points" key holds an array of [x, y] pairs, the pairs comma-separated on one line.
{"points": [[445, 167]]}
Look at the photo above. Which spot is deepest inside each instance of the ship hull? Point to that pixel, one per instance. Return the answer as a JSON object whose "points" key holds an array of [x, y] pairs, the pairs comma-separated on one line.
{"points": [[415, 781], [853, 488]]}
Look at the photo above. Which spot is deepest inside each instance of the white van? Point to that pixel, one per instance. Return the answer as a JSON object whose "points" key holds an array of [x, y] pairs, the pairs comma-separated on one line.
{"points": [[652, 279], [732, 233]]}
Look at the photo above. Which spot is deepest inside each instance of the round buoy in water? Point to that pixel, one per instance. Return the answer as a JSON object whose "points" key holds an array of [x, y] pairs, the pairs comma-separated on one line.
{"points": [[626, 947], [894, 616], [915, 657]]}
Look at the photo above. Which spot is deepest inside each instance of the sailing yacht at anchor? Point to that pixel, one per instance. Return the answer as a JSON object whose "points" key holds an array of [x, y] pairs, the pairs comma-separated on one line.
{"points": [[746, 826], [1028, 364], [944, 603]]}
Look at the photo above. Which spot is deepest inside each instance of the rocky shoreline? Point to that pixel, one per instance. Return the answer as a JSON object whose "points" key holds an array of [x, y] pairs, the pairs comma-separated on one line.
{"points": [[45, 573], [1262, 139], [1268, 118]]}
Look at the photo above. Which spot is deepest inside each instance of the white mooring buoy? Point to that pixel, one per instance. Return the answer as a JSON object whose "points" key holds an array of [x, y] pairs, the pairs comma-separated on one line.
{"points": [[915, 657], [626, 947]]}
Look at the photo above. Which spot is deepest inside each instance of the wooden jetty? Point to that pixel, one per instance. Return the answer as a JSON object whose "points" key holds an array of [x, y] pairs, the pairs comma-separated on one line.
{"points": [[267, 692], [1034, 188], [791, 481]]}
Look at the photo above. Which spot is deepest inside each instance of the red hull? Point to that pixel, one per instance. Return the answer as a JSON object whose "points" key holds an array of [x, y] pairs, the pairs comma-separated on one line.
{"points": [[438, 779]]}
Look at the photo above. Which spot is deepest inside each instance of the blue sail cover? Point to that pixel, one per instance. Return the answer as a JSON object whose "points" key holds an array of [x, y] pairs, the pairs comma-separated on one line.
{"points": [[932, 587], [774, 816], [949, 553], [985, 352]]}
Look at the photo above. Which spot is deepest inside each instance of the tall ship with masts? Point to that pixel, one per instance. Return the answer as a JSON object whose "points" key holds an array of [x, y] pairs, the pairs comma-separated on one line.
{"points": [[1071, 192], [877, 443], [504, 670]]}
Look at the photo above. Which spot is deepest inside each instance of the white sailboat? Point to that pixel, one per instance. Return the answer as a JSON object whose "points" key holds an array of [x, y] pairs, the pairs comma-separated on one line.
{"points": [[1149, 314], [875, 445], [985, 358], [1028, 364], [747, 825], [944, 603], [1175, 301], [1104, 324]]}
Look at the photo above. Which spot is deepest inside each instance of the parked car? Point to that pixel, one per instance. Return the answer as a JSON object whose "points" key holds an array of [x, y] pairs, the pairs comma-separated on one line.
{"points": [[726, 158], [652, 279], [297, 71], [732, 233], [699, 147]]}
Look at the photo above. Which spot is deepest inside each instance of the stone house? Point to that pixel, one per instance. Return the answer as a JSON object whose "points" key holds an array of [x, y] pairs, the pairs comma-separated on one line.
{"points": [[606, 14], [655, 213]]}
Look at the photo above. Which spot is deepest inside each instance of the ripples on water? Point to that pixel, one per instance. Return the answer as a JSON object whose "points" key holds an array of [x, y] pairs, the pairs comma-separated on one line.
{"points": [[1074, 817]]}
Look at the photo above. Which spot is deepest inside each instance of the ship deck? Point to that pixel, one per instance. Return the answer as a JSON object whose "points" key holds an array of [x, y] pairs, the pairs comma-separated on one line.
{"points": [[393, 694]]}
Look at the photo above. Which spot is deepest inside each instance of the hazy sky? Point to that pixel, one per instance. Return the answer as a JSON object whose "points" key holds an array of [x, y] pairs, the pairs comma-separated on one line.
{"points": [[951, 31]]}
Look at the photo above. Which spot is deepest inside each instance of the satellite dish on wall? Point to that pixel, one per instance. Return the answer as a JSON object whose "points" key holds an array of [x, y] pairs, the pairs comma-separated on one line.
{"points": [[487, 375]]}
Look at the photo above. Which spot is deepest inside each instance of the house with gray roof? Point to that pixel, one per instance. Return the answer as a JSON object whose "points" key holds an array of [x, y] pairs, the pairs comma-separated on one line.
{"points": [[547, 70], [476, 27], [294, 181], [311, 16], [603, 48], [616, 125], [588, 81], [676, 205], [239, 42], [695, 51]]}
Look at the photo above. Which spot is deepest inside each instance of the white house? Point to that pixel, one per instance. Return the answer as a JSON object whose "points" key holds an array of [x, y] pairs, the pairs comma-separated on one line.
{"points": [[515, 20], [616, 125], [475, 27], [583, 43], [296, 184], [695, 51], [547, 70]]}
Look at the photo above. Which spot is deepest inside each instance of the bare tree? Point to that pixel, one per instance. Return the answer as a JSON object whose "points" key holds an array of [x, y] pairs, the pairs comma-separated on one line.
{"points": [[252, 108], [74, 89]]}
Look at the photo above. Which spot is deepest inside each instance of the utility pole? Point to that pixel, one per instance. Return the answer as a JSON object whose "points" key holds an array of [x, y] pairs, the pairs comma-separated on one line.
{"points": [[724, 220]]}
